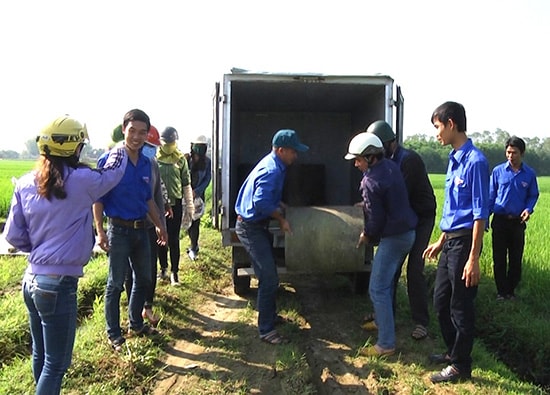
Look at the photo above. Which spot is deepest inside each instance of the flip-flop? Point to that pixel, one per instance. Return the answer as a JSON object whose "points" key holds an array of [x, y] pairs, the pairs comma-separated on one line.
{"points": [[420, 332], [274, 338]]}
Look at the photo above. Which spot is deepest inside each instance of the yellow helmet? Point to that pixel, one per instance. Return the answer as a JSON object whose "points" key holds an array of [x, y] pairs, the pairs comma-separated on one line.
{"points": [[61, 137]]}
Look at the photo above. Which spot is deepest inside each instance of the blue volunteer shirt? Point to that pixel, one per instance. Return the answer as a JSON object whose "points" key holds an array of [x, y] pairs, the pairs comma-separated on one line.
{"points": [[262, 190], [128, 200], [466, 189], [512, 192]]}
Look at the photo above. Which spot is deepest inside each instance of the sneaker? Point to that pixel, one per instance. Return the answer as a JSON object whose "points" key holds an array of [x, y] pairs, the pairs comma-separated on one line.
{"points": [[174, 280], [192, 254], [163, 275], [440, 358], [500, 298]]}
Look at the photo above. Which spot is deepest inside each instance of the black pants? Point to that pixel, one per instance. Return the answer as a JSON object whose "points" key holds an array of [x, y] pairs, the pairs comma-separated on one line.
{"points": [[454, 303], [508, 242], [416, 281], [193, 232], [173, 226]]}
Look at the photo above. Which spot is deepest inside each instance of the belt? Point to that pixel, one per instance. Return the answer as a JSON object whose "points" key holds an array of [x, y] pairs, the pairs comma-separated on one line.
{"points": [[263, 222], [135, 224], [458, 233], [508, 216]]}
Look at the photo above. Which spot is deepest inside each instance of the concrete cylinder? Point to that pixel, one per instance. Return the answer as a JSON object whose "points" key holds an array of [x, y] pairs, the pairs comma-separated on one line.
{"points": [[323, 239]]}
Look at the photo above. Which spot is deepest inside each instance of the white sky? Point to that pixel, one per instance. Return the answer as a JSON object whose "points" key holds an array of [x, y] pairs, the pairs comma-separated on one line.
{"points": [[97, 59]]}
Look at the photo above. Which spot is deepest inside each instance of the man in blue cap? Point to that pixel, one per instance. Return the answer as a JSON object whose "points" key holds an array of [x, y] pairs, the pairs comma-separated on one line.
{"points": [[258, 201]]}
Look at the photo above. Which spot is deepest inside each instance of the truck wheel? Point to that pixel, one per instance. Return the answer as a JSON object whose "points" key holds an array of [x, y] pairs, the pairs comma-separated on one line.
{"points": [[241, 284]]}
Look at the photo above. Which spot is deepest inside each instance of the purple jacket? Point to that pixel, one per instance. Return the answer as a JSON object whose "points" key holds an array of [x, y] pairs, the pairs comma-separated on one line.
{"points": [[58, 234]]}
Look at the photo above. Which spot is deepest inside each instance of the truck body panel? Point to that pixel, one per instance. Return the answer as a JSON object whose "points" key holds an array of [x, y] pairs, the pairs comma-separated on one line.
{"points": [[326, 111]]}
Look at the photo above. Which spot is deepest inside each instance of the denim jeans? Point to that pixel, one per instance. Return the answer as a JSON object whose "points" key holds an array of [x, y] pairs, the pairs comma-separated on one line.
{"points": [[256, 240], [133, 245], [52, 306], [454, 303], [390, 253], [150, 294]]}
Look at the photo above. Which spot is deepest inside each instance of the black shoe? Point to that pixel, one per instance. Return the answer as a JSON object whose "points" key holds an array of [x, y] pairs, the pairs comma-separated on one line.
{"points": [[449, 375], [440, 359]]}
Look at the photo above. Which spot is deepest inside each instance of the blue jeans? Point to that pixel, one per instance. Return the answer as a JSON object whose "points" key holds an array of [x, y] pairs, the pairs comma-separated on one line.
{"points": [[128, 282], [256, 240], [133, 245], [391, 251], [454, 303], [52, 306]]}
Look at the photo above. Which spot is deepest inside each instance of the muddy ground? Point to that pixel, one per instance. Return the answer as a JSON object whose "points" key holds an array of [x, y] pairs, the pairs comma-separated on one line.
{"points": [[327, 330]]}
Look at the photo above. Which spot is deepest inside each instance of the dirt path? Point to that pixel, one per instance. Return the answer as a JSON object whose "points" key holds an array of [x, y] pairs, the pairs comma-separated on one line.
{"points": [[327, 333]]}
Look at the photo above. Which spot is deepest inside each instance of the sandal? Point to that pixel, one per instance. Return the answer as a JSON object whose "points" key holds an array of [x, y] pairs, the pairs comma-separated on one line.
{"points": [[369, 317], [376, 351], [274, 337], [369, 326], [147, 313], [420, 332], [117, 343], [146, 330]]}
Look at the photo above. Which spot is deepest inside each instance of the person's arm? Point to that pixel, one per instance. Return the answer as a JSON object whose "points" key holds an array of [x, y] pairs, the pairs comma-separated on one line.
{"points": [[532, 197], [102, 239], [159, 226], [432, 251], [472, 274]]}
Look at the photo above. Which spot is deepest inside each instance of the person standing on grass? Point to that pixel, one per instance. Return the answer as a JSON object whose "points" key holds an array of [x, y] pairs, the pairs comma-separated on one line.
{"points": [[513, 193], [128, 206], [200, 167], [50, 218], [422, 200], [389, 222], [175, 175], [259, 200], [465, 213], [160, 197]]}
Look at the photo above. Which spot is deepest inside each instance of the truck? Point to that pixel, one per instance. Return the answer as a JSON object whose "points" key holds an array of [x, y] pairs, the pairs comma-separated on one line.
{"points": [[321, 190]]}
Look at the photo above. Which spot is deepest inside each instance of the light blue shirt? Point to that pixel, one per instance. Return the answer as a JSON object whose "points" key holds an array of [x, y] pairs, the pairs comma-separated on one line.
{"points": [[512, 192], [261, 192], [466, 189]]}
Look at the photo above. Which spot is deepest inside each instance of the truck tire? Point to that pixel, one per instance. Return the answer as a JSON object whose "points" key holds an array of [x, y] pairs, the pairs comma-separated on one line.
{"points": [[241, 284]]}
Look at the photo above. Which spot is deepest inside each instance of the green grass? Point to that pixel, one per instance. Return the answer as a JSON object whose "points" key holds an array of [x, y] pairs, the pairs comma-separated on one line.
{"points": [[9, 169], [517, 330]]}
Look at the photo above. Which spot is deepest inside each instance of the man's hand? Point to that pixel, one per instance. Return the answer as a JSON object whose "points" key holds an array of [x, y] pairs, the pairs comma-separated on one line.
{"points": [[285, 226], [525, 216], [363, 240], [432, 251], [162, 236], [471, 274], [102, 240]]}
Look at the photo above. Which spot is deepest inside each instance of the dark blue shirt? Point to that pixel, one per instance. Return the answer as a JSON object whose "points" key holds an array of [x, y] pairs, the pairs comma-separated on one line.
{"points": [[128, 200], [419, 187], [512, 192], [261, 192], [466, 189], [386, 207]]}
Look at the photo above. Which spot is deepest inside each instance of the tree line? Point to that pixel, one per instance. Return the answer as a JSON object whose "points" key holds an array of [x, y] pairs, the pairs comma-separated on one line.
{"points": [[493, 145], [436, 156]]}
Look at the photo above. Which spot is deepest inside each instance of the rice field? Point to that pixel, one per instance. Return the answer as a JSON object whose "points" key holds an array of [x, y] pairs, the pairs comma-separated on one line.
{"points": [[8, 170]]}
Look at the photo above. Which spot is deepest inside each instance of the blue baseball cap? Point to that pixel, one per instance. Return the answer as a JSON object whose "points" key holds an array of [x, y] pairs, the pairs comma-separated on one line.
{"points": [[287, 138]]}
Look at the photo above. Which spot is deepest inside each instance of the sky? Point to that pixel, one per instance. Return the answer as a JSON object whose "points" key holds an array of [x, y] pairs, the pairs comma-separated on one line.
{"points": [[97, 60]]}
